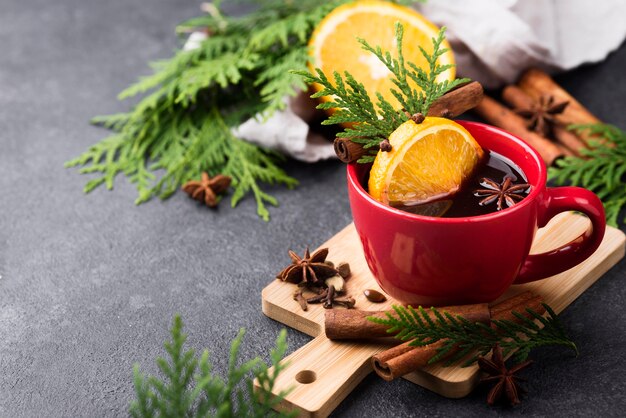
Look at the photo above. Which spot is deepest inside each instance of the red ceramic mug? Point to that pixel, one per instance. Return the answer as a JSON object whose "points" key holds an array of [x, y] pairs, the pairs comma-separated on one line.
{"points": [[439, 261]]}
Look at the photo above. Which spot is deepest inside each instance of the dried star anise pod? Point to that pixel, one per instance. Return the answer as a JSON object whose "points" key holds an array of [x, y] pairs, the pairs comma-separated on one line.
{"points": [[506, 381], [505, 192], [310, 269], [330, 298], [207, 189], [540, 116]]}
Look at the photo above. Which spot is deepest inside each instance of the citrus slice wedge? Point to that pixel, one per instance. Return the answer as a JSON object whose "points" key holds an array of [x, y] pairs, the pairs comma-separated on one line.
{"points": [[427, 162], [334, 45]]}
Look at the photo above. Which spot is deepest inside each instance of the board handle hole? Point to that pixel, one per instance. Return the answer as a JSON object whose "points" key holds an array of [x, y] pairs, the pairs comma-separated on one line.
{"points": [[306, 376]]}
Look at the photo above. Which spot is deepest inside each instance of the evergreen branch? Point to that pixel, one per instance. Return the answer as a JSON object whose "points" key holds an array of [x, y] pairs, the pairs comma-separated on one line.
{"points": [[225, 70], [415, 90], [463, 337], [601, 168], [170, 70], [174, 132], [115, 122], [353, 105], [190, 389], [299, 26], [278, 82], [247, 164], [182, 126], [416, 100]]}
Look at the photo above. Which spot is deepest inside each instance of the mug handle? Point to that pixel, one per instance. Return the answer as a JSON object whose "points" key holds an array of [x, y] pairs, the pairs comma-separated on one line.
{"points": [[557, 200]]}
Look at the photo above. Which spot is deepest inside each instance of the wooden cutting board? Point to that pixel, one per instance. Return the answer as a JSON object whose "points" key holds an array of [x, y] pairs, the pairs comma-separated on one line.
{"points": [[323, 372]]}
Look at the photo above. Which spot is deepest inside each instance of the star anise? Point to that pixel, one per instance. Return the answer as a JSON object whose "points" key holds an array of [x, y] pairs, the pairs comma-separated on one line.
{"points": [[540, 116], [207, 189], [330, 298], [505, 192], [506, 381], [310, 269]]}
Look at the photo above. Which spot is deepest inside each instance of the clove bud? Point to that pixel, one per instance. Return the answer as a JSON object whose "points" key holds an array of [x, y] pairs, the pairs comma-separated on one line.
{"points": [[418, 118]]}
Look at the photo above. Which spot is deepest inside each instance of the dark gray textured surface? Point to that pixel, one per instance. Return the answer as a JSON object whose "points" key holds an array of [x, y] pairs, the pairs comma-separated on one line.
{"points": [[89, 284]]}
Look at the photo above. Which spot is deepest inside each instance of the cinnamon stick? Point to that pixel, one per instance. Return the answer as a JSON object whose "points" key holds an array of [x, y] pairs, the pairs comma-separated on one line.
{"points": [[457, 101], [499, 115], [345, 324], [569, 139], [518, 98], [402, 359], [450, 105], [535, 303], [348, 151], [510, 303]]}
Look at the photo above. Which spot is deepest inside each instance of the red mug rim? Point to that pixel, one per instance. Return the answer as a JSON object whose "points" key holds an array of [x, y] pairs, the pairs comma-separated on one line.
{"points": [[536, 186]]}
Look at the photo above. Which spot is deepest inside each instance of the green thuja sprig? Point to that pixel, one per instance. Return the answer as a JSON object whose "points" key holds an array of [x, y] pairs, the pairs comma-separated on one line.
{"points": [[464, 338], [601, 168], [415, 89], [190, 389], [182, 124]]}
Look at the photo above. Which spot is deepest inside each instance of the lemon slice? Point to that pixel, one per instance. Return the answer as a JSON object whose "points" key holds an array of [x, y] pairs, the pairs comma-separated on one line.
{"points": [[427, 162]]}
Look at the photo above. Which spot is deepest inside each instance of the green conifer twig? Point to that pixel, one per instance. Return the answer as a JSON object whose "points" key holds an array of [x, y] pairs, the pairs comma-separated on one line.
{"points": [[601, 168], [463, 337], [373, 122], [182, 125], [191, 389], [241, 70]]}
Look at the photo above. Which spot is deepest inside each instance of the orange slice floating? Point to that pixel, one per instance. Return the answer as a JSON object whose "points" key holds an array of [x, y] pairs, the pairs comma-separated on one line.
{"points": [[427, 162]]}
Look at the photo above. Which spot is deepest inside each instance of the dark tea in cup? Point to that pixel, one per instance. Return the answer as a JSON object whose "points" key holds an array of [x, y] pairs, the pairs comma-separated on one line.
{"points": [[496, 184]]}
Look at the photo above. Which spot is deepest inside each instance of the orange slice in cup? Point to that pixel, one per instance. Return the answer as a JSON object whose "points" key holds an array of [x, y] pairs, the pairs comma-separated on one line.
{"points": [[427, 162]]}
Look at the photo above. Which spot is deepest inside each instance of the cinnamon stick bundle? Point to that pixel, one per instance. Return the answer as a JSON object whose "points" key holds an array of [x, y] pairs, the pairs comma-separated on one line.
{"points": [[518, 98], [499, 115], [404, 359], [450, 105]]}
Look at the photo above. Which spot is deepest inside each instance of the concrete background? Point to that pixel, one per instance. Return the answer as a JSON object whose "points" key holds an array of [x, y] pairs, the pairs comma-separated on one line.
{"points": [[89, 284]]}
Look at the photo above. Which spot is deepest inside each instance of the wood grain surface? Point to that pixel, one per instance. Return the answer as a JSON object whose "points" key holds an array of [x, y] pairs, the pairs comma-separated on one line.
{"points": [[323, 372]]}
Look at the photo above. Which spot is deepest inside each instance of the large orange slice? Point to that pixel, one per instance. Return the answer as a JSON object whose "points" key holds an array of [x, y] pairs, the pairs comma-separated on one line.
{"points": [[427, 162], [334, 46]]}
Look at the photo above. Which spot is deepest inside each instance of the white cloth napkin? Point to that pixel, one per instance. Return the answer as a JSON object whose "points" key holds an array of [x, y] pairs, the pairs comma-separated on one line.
{"points": [[285, 131], [494, 41]]}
